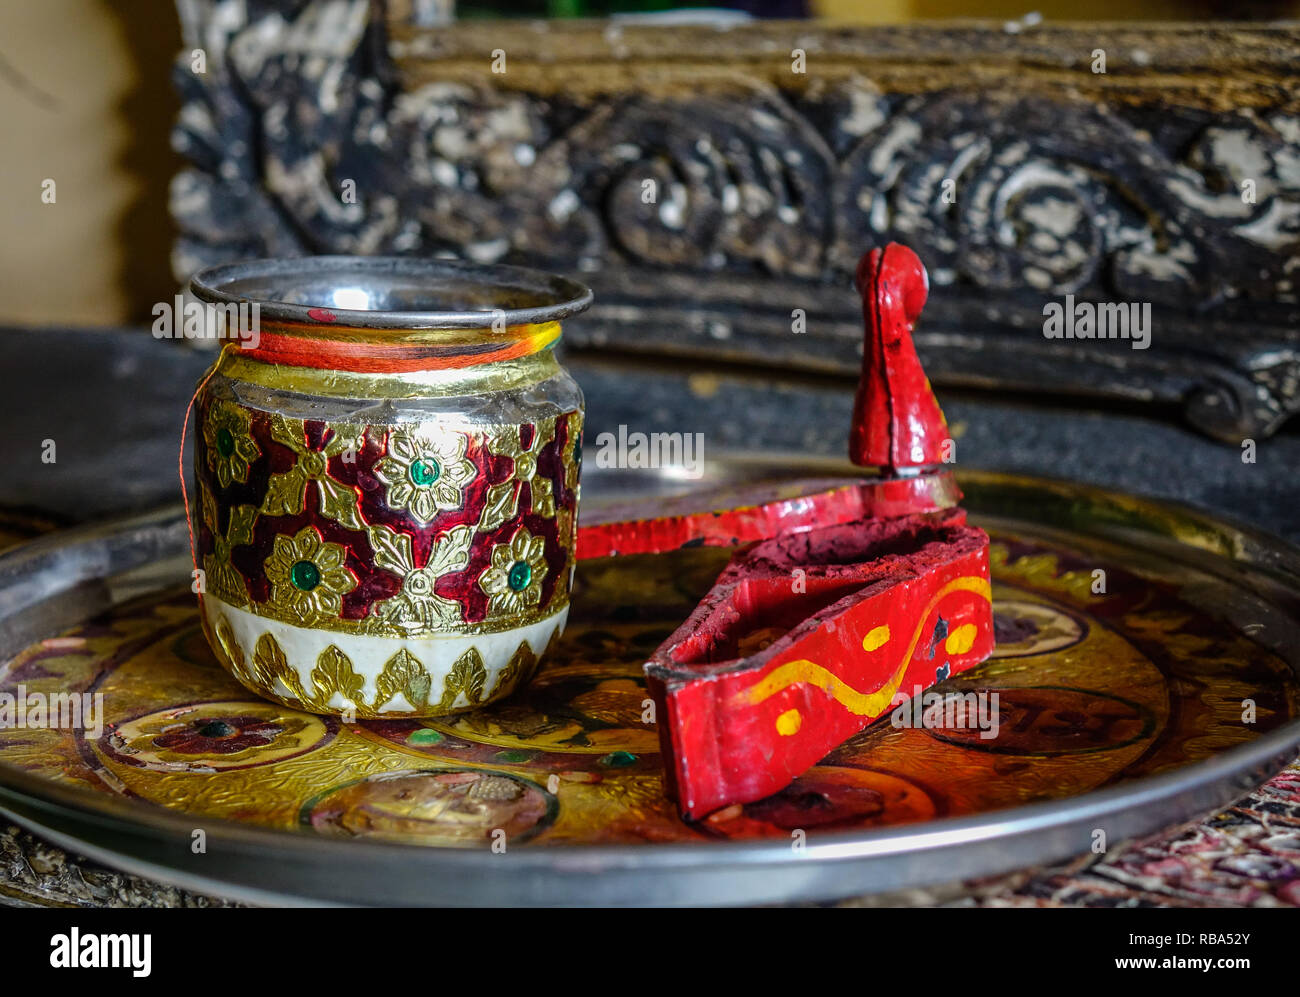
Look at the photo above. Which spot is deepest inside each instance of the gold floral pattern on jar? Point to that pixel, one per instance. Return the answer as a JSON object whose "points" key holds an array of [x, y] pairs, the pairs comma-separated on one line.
{"points": [[285, 493], [220, 576], [308, 577], [417, 605], [229, 444], [513, 582], [571, 456], [413, 606], [425, 475], [502, 502]]}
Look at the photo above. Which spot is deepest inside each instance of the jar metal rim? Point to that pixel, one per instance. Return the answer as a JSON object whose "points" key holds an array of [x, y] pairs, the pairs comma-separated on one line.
{"points": [[517, 295]]}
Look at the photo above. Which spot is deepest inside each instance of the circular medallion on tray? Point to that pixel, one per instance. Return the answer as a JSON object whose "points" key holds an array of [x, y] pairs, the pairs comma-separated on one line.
{"points": [[1024, 628], [827, 798], [209, 737], [457, 807]]}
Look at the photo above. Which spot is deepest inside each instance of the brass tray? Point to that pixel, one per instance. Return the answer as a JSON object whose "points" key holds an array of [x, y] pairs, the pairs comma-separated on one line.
{"points": [[1148, 671]]}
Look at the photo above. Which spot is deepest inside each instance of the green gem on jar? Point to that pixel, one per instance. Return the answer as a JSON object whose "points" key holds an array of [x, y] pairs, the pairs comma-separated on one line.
{"points": [[225, 442], [305, 576], [521, 573], [424, 472]]}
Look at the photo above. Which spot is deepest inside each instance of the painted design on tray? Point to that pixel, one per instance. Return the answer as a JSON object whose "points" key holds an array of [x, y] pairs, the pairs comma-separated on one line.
{"points": [[1150, 641], [1047, 721], [827, 798], [216, 736], [1025, 628], [457, 807], [570, 710]]}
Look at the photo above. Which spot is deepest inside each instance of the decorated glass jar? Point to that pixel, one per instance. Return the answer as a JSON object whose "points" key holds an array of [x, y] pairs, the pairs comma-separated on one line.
{"points": [[386, 460]]}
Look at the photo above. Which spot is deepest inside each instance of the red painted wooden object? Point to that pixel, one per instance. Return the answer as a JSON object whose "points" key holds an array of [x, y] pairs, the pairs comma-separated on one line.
{"points": [[743, 515], [865, 594], [897, 423], [807, 638]]}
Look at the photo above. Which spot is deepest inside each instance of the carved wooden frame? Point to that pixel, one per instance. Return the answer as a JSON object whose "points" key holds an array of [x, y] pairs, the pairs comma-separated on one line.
{"points": [[1173, 178]]}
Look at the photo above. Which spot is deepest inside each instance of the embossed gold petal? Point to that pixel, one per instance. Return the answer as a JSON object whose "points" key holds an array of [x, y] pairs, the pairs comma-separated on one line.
{"points": [[339, 502], [239, 531], [403, 673], [393, 474], [270, 664], [224, 580], [402, 446], [291, 432], [543, 496], [423, 505], [500, 504], [209, 506], [333, 675], [564, 529], [392, 549], [346, 439], [506, 441], [468, 676], [229, 644], [285, 493], [451, 552], [517, 671]]}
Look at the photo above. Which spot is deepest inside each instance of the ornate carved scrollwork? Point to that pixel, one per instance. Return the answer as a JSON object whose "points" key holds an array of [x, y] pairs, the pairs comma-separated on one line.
{"points": [[742, 199]]}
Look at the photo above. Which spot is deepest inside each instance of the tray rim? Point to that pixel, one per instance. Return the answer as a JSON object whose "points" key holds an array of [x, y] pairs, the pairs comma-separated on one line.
{"points": [[630, 873]]}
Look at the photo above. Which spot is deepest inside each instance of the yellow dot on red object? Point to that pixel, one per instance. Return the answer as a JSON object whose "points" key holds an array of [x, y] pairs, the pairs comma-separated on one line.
{"points": [[789, 722], [962, 639], [878, 637]]}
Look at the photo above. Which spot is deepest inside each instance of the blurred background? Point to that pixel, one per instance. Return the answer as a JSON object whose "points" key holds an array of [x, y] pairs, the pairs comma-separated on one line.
{"points": [[86, 99]]}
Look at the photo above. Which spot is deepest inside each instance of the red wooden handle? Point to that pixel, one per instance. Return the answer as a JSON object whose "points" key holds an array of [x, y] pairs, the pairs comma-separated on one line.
{"points": [[897, 423]]}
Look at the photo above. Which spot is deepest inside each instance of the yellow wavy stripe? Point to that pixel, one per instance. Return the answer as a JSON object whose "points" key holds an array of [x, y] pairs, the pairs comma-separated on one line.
{"points": [[858, 703]]}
